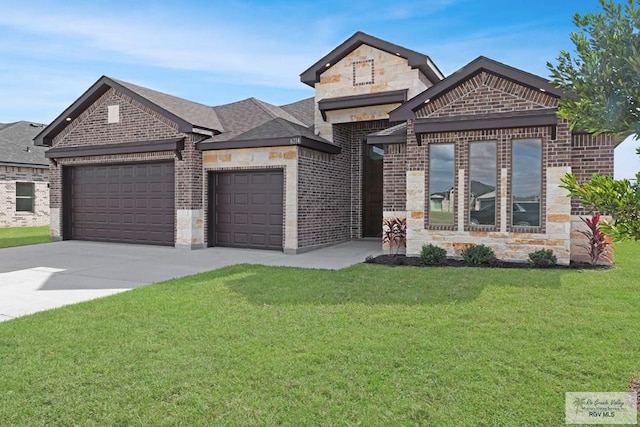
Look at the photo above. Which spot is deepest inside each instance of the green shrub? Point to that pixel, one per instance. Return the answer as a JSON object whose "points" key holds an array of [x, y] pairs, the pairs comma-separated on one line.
{"points": [[478, 254], [543, 258], [432, 255]]}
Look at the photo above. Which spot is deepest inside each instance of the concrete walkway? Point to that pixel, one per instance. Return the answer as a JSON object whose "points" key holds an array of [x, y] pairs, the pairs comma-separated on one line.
{"points": [[40, 277]]}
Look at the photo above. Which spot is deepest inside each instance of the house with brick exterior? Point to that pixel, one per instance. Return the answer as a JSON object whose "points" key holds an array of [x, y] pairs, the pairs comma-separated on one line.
{"points": [[475, 157], [24, 176]]}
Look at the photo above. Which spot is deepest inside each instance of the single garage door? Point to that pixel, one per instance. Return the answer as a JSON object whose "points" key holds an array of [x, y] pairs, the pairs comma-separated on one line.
{"points": [[129, 203], [248, 209]]}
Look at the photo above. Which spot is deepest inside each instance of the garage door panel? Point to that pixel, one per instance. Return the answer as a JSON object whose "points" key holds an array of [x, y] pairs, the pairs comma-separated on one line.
{"points": [[123, 203], [245, 215], [275, 220], [259, 219]]}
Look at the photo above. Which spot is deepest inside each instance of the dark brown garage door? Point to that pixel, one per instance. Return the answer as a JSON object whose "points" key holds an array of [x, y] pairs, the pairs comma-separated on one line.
{"points": [[248, 209], [131, 203]]}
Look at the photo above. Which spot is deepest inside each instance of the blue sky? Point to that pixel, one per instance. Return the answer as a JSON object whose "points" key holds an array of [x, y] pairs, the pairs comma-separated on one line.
{"points": [[216, 52]]}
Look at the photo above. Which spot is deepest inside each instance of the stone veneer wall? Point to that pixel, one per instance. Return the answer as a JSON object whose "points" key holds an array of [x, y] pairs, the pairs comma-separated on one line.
{"points": [[9, 175], [137, 123], [590, 154], [389, 73], [285, 158]]}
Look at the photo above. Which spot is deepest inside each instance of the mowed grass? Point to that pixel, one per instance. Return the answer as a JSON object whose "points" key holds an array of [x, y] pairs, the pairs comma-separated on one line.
{"points": [[20, 236], [369, 345]]}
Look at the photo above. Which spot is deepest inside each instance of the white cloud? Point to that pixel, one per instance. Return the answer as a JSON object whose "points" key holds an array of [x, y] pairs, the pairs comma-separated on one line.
{"points": [[131, 39]]}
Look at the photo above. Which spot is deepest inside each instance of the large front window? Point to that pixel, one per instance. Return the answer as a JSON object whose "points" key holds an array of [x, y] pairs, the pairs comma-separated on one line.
{"points": [[526, 186], [482, 183], [441, 184]]}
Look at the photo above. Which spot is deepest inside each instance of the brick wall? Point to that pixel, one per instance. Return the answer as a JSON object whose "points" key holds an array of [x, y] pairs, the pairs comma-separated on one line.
{"points": [[351, 137], [486, 93], [482, 94], [9, 175], [189, 176], [323, 203], [136, 123], [395, 177], [590, 154]]}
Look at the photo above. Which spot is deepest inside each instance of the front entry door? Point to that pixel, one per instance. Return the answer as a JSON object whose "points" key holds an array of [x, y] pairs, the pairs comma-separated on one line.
{"points": [[372, 191]]}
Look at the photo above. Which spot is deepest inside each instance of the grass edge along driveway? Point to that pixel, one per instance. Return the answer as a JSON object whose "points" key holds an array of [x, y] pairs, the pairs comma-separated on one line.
{"points": [[370, 345], [20, 236]]}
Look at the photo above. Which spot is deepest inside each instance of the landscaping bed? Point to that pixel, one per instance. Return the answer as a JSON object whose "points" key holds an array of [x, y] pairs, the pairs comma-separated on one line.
{"points": [[414, 261]]}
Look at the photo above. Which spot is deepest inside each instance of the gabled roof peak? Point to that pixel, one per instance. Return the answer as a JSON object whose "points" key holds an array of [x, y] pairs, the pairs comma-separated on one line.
{"points": [[478, 65], [187, 114], [416, 60]]}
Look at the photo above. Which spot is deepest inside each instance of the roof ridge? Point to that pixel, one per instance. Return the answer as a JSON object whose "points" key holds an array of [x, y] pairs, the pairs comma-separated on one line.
{"points": [[260, 103], [265, 106], [128, 84], [288, 124], [196, 113]]}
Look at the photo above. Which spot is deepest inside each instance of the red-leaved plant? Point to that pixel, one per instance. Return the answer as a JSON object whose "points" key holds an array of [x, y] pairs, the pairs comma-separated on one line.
{"points": [[394, 232], [598, 244]]}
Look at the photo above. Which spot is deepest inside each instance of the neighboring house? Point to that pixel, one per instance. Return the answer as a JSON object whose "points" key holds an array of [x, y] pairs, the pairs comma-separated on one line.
{"points": [[24, 176], [384, 131]]}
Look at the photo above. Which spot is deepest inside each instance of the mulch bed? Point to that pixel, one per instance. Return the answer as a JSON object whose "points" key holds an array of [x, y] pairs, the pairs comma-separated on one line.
{"points": [[414, 261]]}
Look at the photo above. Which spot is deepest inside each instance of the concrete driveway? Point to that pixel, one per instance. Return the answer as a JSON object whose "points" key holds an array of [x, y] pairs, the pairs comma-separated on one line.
{"points": [[41, 277]]}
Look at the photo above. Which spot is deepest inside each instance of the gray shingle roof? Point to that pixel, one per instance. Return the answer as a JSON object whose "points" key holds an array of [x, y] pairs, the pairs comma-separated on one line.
{"points": [[239, 117], [278, 128], [17, 147], [302, 110], [197, 114]]}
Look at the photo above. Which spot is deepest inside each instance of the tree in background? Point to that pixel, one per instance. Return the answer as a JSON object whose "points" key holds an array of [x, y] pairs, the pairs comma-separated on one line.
{"points": [[603, 83], [604, 74]]}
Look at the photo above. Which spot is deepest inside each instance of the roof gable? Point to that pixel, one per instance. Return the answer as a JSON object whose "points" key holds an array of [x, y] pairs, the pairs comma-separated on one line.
{"points": [[466, 74], [239, 117], [186, 114], [486, 93], [311, 76], [277, 128]]}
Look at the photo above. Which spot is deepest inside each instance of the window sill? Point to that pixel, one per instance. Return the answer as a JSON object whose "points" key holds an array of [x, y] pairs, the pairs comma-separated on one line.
{"points": [[483, 228], [442, 227], [525, 229]]}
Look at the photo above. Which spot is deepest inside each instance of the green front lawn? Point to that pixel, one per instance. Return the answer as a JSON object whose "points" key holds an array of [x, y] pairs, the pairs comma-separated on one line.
{"points": [[20, 236], [368, 345]]}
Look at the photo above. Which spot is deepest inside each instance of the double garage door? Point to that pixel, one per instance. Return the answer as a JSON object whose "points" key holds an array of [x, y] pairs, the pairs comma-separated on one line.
{"points": [[134, 203]]}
